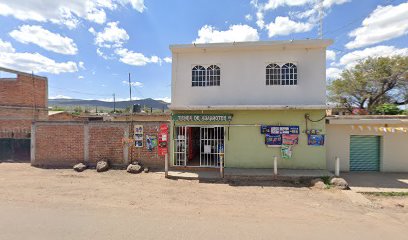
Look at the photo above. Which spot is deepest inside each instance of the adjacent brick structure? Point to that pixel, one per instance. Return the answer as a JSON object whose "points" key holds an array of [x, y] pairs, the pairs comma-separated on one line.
{"points": [[64, 143], [22, 100]]}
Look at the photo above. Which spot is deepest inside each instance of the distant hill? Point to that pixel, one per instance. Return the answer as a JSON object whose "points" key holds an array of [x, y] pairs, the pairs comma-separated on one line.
{"points": [[148, 102]]}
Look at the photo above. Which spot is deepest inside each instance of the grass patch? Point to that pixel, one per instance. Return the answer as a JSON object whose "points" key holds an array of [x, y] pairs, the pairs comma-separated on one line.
{"points": [[387, 194], [326, 180]]}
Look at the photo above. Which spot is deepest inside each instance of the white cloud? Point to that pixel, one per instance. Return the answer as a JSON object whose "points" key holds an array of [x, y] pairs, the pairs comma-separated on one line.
{"points": [[333, 73], [285, 26], [81, 65], [235, 33], [134, 58], [6, 47], [133, 84], [330, 55], [350, 59], [384, 23], [167, 59], [35, 62], [309, 12], [48, 40], [111, 36], [66, 13], [80, 77], [164, 99], [248, 17], [60, 97]]}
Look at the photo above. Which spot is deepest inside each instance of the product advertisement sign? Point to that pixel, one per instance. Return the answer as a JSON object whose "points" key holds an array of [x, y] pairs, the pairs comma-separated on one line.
{"points": [[163, 138], [273, 139], [138, 135], [315, 140], [279, 129]]}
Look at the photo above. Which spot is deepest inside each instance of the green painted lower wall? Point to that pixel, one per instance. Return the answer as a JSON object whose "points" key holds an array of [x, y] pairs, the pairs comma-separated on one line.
{"points": [[245, 147]]}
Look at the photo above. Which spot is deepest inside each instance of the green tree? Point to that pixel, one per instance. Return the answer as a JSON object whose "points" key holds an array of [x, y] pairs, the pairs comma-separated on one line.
{"points": [[388, 109], [371, 83]]}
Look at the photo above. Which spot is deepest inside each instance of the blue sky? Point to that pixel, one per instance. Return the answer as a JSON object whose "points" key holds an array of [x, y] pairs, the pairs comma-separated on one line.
{"points": [[86, 48]]}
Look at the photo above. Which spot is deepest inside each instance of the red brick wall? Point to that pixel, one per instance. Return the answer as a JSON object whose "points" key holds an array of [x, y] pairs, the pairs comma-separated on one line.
{"points": [[62, 143], [59, 145], [24, 91], [148, 158], [22, 100], [105, 143]]}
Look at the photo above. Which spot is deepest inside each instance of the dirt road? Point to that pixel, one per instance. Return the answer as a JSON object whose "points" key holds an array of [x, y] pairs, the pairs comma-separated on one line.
{"points": [[61, 204]]}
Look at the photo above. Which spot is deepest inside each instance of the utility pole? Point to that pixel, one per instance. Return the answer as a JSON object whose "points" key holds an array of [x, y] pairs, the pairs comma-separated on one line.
{"points": [[114, 104], [130, 90], [321, 19]]}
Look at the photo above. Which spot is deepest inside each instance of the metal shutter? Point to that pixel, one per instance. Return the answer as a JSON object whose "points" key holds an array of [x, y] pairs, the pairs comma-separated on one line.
{"points": [[364, 153]]}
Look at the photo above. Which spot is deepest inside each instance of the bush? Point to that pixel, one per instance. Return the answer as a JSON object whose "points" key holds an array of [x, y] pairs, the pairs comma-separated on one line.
{"points": [[388, 109]]}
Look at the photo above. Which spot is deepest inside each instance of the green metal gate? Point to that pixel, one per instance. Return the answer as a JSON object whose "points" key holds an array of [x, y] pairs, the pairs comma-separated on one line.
{"points": [[14, 149], [365, 153]]}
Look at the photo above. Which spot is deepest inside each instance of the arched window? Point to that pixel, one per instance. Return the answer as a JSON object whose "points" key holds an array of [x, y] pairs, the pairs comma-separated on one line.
{"points": [[273, 74], [289, 74], [213, 75], [198, 76]]}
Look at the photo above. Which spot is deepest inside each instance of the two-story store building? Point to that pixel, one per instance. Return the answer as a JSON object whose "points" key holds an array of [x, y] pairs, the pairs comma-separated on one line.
{"points": [[247, 102]]}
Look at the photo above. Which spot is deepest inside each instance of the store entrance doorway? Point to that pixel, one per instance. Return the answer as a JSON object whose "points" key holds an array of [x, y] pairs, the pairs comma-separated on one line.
{"points": [[199, 146]]}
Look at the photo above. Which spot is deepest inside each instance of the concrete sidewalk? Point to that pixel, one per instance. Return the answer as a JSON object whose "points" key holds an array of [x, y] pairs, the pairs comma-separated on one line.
{"points": [[242, 173], [376, 181]]}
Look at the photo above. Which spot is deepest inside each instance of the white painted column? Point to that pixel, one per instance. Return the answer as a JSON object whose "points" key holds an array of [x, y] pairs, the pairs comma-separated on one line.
{"points": [[337, 167], [275, 165]]}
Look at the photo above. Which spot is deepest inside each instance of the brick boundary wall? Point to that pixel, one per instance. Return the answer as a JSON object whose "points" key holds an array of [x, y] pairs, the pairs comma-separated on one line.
{"points": [[62, 144]]}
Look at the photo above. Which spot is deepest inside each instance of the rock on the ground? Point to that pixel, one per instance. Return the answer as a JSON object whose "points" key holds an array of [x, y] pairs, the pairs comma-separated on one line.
{"points": [[134, 168], [317, 183], [102, 166], [80, 167], [339, 183], [146, 170]]}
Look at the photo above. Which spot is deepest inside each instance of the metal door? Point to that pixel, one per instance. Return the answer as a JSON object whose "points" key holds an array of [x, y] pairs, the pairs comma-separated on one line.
{"points": [[211, 146], [180, 146], [364, 153]]}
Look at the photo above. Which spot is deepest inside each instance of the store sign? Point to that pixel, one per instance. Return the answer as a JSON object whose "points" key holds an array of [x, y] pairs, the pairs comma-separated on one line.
{"points": [[163, 139], [202, 117]]}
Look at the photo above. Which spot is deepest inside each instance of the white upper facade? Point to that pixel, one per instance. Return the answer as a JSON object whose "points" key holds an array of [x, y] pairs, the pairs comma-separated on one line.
{"points": [[249, 75]]}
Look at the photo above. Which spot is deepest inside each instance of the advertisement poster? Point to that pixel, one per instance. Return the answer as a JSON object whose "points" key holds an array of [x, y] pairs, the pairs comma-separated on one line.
{"points": [[265, 129], [273, 139], [315, 140], [139, 143], [151, 142], [290, 139], [294, 130], [286, 152], [138, 129], [163, 138]]}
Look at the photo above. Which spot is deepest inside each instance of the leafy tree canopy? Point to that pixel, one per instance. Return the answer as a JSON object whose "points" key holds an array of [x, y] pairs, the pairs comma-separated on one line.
{"points": [[372, 83]]}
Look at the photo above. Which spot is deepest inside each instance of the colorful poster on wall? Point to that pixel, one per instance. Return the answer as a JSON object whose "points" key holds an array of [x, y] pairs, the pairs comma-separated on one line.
{"points": [[315, 140], [265, 129], [294, 130], [290, 139], [151, 142], [163, 138], [274, 130], [273, 139], [139, 143], [138, 129], [284, 130], [286, 151]]}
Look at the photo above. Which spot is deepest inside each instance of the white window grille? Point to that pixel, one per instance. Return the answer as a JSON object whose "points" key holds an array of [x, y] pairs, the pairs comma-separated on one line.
{"points": [[213, 75], [289, 74], [198, 76], [285, 75], [273, 74]]}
